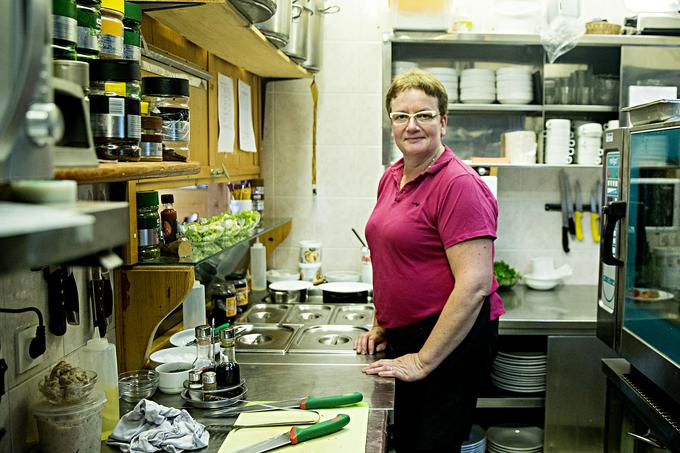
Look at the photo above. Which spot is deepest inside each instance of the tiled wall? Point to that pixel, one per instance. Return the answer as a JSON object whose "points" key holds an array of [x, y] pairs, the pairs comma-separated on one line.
{"points": [[19, 290], [349, 159]]}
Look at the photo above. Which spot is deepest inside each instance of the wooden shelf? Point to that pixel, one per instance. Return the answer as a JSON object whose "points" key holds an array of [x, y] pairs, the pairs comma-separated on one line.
{"points": [[126, 171], [222, 30]]}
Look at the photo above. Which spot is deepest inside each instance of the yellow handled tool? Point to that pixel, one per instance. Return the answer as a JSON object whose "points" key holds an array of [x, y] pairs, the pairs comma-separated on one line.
{"points": [[578, 211], [594, 219]]}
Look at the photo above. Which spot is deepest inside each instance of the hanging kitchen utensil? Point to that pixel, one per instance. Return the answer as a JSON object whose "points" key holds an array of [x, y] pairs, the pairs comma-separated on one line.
{"points": [[310, 402], [315, 34], [56, 300], [578, 213], [570, 209], [594, 217], [72, 301], [565, 210], [96, 295], [363, 244], [315, 98], [108, 294], [297, 435]]}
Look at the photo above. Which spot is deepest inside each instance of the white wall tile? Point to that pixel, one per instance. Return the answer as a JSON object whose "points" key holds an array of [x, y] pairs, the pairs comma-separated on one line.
{"points": [[343, 259], [303, 212], [293, 119], [348, 171], [23, 426], [358, 20], [349, 120], [289, 86], [336, 218], [293, 171], [366, 59]]}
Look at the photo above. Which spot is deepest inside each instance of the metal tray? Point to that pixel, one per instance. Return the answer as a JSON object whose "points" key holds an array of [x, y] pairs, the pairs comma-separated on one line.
{"points": [[326, 339], [265, 338], [218, 403], [264, 314], [353, 315], [308, 314], [654, 112]]}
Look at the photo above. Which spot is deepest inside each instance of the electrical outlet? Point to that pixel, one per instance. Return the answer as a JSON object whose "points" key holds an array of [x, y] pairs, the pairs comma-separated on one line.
{"points": [[23, 337]]}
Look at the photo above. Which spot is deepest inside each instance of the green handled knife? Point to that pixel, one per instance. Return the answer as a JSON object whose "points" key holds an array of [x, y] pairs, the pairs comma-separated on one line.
{"points": [[308, 403], [297, 435]]}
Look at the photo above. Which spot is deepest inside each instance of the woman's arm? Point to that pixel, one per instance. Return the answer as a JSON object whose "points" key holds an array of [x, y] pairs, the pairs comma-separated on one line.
{"points": [[472, 266]]}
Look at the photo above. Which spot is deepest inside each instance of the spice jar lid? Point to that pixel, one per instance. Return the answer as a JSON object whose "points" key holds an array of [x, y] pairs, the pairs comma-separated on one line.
{"points": [[147, 199], [115, 70], [151, 122], [133, 11], [165, 86], [167, 198], [74, 71], [116, 5]]}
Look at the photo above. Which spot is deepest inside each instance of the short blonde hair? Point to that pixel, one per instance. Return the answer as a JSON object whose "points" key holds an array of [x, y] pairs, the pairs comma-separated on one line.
{"points": [[419, 80]]}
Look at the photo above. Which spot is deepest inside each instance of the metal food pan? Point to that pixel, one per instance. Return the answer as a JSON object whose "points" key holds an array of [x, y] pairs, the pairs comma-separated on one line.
{"points": [[270, 314], [654, 112]]}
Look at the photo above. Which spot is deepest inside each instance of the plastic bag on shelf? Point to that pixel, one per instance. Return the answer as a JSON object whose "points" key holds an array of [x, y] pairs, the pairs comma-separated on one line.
{"points": [[561, 35]]}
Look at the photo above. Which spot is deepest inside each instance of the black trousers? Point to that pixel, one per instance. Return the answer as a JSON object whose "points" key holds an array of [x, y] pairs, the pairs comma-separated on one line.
{"points": [[435, 413]]}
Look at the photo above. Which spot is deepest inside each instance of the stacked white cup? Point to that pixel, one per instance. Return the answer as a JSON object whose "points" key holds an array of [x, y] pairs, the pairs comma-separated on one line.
{"points": [[559, 141], [448, 77], [310, 259], [589, 144]]}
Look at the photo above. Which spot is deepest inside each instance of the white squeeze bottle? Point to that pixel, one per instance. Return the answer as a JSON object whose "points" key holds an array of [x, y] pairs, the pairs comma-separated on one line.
{"points": [[258, 266], [100, 356]]}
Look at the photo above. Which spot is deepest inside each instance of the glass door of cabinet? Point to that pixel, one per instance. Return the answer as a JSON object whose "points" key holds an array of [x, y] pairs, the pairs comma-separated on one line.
{"points": [[652, 280]]}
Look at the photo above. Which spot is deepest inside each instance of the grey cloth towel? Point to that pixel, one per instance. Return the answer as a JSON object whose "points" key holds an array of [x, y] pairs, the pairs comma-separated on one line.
{"points": [[151, 427]]}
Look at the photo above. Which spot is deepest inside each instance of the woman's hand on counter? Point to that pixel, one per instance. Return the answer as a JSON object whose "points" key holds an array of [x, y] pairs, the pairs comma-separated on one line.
{"points": [[371, 342], [408, 368]]}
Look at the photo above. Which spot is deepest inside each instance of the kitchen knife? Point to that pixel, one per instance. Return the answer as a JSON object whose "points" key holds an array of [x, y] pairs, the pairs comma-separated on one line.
{"points": [[570, 209], [108, 294], [565, 211], [71, 302], [594, 218], [97, 301], [310, 402], [56, 299], [578, 214], [297, 435]]}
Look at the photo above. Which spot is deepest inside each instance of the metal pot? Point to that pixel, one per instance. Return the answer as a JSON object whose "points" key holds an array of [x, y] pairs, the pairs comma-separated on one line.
{"points": [[297, 40], [255, 10], [283, 297], [315, 34], [277, 28]]}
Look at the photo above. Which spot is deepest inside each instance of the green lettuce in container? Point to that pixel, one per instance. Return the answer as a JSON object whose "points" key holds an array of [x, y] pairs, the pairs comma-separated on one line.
{"points": [[506, 275]]}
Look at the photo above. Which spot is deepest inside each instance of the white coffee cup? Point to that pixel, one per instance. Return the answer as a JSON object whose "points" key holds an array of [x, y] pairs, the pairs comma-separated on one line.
{"points": [[309, 270], [612, 124], [172, 376]]}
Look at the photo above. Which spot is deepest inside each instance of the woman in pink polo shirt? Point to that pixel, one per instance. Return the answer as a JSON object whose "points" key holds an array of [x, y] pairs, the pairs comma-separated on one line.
{"points": [[431, 238]]}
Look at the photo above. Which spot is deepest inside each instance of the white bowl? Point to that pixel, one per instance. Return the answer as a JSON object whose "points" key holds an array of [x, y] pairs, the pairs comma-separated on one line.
{"points": [[172, 376], [513, 70], [515, 100], [477, 101], [477, 72], [540, 283]]}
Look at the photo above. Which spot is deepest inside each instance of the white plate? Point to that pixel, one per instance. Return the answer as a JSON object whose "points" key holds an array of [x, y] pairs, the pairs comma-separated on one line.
{"points": [[477, 101], [510, 100], [345, 287], [516, 438], [290, 285], [183, 337], [181, 354], [661, 295]]}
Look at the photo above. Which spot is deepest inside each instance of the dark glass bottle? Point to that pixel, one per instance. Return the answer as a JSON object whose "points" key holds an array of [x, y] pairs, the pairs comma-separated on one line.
{"points": [[169, 218], [228, 370]]}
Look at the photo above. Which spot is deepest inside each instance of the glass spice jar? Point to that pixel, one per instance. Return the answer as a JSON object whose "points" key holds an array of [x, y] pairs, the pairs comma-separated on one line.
{"points": [[148, 226], [115, 109], [151, 144], [132, 32], [64, 29], [111, 37], [169, 98], [89, 29]]}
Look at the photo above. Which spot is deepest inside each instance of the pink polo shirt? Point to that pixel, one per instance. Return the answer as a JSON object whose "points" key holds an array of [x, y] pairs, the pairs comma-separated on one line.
{"points": [[409, 231]]}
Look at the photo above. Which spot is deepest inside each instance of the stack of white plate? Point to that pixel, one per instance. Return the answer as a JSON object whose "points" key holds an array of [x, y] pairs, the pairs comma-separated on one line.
{"points": [[402, 66], [476, 443], [513, 85], [448, 77], [522, 372], [514, 439], [478, 86]]}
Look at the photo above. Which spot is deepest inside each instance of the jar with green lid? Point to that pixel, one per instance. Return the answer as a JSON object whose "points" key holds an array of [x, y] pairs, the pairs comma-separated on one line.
{"points": [[89, 29], [115, 109], [132, 32], [64, 29], [168, 97], [111, 37], [148, 226]]}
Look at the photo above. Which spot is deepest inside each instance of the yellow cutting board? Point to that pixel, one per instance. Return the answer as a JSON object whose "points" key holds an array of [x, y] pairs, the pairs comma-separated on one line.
{"points": [[350, 438]]}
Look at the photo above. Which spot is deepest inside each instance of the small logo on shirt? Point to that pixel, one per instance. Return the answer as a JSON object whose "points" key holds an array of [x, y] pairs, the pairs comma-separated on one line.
{"points": [[415, 203]]}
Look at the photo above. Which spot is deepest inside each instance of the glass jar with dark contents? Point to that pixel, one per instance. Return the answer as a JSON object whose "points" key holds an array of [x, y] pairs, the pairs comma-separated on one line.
{"points": [[148, 226], [168, 97], [241, 287]]}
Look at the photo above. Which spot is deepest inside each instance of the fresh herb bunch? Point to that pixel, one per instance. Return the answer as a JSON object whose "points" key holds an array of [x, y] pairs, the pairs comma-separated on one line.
{"points": [[506, 275]]}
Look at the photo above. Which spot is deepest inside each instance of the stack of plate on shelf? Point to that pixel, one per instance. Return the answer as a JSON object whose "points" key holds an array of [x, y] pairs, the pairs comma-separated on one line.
{"points": [[522, 372], [478, 86], [402, 66], [476, 443], [449, 78], [514, 439], [513, 85]]}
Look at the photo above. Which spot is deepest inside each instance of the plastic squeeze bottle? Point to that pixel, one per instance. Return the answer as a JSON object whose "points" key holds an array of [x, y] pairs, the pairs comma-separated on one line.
{"points": [[100, 356], [258, 266]]}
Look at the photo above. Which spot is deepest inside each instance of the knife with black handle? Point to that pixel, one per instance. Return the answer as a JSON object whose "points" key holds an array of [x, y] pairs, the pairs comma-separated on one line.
{"points": [[564, 200]]}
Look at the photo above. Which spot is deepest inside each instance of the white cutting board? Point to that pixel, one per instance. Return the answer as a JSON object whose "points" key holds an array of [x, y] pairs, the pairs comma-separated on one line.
{"points": [[351, 438]]}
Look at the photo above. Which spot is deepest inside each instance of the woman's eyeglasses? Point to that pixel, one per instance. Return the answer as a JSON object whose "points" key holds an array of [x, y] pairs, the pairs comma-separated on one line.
{"points": [[423, 118]]}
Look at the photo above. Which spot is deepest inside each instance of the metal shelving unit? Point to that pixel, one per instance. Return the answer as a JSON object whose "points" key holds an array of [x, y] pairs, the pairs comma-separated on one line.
{"points": [[457, 107], [575, 108]]}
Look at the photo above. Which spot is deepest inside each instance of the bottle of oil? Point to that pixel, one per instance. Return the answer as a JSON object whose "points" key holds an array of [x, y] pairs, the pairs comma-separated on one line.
{"points": [[228, 370]]}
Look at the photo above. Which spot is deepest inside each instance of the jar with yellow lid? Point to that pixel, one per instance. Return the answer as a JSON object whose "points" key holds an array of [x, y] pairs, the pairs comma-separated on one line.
{"points": [[112, 29]]}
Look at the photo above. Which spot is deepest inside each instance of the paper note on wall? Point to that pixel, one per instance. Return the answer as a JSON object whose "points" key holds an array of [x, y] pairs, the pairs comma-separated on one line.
{"points": [[639, 94], [246, 133], [225, 114]]}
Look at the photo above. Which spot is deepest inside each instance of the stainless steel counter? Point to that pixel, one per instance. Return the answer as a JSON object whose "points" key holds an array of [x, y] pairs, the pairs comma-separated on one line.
{"points": [[565, 310]]}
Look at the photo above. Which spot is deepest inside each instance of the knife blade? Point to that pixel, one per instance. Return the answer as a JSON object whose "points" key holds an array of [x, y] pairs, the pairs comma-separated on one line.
{"points": [[578, 213], [565, 210], [297, 435], [570, 209], [594, 217], [310, 402], [97, 301]]}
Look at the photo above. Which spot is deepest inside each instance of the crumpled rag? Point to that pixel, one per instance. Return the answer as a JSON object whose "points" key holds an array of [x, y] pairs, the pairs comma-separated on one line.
{"points": [[151, 427]]}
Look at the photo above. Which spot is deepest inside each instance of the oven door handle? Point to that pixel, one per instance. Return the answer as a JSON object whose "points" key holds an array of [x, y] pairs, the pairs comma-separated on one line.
{"points": [[646, 438], [612, 213]]}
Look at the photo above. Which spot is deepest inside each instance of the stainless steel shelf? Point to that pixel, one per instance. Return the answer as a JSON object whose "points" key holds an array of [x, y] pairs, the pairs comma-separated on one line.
{"points": [[495, 108], [580, 108], [476, 165], [519, 402]]}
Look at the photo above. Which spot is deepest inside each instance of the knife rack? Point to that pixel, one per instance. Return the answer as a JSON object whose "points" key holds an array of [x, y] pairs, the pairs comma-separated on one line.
{"points": [[558, 207]]}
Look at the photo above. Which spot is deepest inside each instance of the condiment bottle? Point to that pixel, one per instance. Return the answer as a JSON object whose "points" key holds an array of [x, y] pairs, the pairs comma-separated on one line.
{"points": [[228, 370], [204, 360], [148, 226], [89, 29], [195, 385], [241, 286], [258, 266], [132, 32], [64, 29], [99, 356], [222, 300], [209, 380], [151, 145], [169, 218]]}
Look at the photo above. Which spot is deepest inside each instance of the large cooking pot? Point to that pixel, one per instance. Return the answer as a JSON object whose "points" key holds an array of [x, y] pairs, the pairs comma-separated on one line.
{"points": [[345, 292], [255, 10], [277, 28], [297, 40], [288, 291], [315, 34]]}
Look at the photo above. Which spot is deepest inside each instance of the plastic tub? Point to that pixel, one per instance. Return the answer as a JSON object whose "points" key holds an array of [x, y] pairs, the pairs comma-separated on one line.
{"points": [[71, 427]]}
